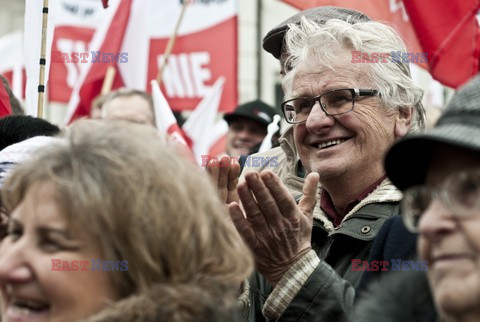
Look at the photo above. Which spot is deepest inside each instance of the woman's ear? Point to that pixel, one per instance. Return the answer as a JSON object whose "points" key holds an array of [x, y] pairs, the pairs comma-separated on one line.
{"points": [[403, 121]]}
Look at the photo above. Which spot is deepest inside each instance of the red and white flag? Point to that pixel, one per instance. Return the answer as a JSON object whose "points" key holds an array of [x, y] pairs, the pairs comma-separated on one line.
{"points": [[392, 11], [11, 64], [75, 25], [205, 49], [219, 147], [448, 31], [201, 123], [104, 52], [165, 120]]}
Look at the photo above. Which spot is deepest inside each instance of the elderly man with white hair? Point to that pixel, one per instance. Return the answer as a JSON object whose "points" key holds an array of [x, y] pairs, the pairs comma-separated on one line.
{"points": [[345, 115]]}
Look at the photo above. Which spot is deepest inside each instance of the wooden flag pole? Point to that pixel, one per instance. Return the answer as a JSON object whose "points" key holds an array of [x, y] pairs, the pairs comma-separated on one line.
{"points": [[108, 80], [43, 60], [171, 42]]}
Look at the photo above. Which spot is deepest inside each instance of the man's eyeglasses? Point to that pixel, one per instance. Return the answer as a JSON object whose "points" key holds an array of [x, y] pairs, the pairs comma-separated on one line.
{"points": [[336, 102], [460, 192]]}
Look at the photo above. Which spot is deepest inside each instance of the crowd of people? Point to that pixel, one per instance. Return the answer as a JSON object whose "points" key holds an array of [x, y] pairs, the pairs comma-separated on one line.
{"points": [[361, 213]]}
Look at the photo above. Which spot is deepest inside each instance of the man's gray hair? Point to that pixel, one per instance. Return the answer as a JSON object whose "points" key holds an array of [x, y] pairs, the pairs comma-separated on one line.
{"points": [[126, 92], [309, 41]]}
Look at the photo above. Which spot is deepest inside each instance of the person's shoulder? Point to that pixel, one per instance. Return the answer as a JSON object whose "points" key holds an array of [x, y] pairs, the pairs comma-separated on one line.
{"points": [[394, 240], [395, 228], [277, 151], [400, 296]]}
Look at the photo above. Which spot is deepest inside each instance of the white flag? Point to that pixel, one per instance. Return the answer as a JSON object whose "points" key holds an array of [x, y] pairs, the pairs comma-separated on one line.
{"points": [[272, 128], [200, 123]]}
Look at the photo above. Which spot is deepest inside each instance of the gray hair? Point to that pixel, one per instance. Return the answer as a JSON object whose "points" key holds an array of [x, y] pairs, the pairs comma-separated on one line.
{"points": [[320, 43], [125, 92]]}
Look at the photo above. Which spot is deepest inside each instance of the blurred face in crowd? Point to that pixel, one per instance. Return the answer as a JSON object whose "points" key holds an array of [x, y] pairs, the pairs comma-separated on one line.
{"points": [[450, 241], [132, 108], [243, 135], [30, 290], [351, 145]]}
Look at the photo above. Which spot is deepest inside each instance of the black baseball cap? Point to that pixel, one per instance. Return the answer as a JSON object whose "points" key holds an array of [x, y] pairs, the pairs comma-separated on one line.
{"points": [[255, 110], [273, 41]]}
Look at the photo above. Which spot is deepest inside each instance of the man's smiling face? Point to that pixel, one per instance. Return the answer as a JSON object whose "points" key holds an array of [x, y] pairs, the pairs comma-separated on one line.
{"points": [[347, 145]]}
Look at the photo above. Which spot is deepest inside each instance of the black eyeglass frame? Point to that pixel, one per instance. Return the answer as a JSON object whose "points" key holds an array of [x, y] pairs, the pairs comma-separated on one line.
{"points": [[356, 92]]}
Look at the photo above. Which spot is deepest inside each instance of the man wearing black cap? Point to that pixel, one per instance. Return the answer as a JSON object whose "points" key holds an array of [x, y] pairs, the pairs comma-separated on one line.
{"points": [[291, 172], [247, 127], [308, 299], [274, 40]]}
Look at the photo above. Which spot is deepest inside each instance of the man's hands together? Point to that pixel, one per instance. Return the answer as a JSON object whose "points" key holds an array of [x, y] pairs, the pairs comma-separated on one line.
{"points": [[277, 230], [224, 174]]}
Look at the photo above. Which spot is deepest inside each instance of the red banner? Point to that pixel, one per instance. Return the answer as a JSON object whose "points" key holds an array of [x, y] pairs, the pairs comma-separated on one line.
{"points": [[392, 11], [195, 65], [447, 31], [64, 75], [205, 48]]}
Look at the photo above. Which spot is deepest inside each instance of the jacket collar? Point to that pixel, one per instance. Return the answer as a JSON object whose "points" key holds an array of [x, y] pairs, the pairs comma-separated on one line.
{"points": [[287, 143], [384, 193]]}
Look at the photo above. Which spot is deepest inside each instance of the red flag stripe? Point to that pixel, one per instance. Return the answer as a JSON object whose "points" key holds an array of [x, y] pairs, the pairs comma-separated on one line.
{"points": [[112, 43], [448, 31], [5, 108], [177, 133], [219, 147]]}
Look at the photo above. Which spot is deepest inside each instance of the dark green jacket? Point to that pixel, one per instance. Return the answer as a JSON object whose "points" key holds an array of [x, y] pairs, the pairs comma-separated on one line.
{"points": [[328, 294]]}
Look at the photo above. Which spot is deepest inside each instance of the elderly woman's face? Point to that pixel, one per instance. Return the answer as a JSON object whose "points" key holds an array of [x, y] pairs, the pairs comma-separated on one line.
{"points": [[350, 145], [451, 244], [30, 287]]}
